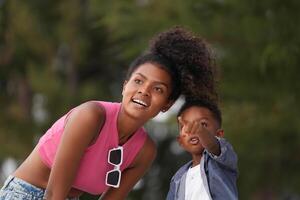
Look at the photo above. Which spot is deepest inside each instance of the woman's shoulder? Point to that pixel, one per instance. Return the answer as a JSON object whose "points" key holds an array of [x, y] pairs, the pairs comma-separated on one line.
{"points": [[90, 110], [92, 107]]}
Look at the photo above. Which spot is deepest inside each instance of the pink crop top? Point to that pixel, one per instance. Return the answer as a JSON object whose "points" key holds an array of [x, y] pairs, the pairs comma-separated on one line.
{"points": [[91, 174]]}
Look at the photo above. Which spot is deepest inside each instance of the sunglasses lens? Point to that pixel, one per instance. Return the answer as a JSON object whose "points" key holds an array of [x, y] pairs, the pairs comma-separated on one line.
{"points": [[115, 157], [113, 177]]}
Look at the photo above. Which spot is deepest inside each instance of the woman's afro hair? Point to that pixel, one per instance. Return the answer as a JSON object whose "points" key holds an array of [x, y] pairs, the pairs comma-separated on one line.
{"points": [[192, 59]]}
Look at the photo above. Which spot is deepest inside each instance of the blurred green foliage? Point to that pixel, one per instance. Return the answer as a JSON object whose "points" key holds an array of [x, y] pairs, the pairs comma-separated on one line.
{"points": [[57, 54]]}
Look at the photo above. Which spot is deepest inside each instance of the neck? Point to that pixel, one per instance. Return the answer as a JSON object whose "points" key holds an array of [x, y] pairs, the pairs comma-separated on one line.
{"points": [[196, 159], [127, 126], [124, 138]]}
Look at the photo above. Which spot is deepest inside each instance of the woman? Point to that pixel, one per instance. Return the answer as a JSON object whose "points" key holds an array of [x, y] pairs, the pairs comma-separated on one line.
{"points": [[101, 147]]}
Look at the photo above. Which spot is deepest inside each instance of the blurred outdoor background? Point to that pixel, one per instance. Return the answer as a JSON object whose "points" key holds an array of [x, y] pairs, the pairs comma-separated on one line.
{"points": [[55, 55]]}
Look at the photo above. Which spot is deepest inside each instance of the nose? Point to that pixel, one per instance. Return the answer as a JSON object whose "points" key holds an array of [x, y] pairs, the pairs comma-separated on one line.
{"points": [[144, 90]]}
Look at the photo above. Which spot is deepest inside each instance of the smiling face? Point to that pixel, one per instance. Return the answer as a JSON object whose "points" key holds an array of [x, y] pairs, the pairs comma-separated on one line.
{"points": [[191, 142], [147, 92]]}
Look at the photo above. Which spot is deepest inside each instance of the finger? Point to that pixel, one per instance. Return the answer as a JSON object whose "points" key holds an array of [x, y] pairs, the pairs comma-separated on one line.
{"points": [[198, 128], [180, 121], [188, 127], [194, 127], [181, 124]]}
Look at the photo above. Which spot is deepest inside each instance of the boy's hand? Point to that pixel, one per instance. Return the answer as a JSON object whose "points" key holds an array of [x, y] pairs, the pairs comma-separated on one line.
{"points": [[194, 127], [206, 137]]}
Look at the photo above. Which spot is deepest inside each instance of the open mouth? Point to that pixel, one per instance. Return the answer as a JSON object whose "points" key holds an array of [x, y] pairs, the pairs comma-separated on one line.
{"points": [[194, 140], [140, 102]]}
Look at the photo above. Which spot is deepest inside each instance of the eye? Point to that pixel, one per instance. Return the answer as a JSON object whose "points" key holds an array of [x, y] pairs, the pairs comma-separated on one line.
{"points": [[158, 89], [204, 124], [137, 81]]}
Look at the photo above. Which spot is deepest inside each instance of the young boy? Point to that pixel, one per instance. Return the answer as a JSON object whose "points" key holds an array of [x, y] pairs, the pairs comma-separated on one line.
{"points": [[212, 173]]}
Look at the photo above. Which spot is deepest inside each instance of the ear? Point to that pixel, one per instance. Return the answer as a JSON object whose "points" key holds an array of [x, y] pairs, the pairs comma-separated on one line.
{"points": [[124, 84], [220, 133], [167, 106]]}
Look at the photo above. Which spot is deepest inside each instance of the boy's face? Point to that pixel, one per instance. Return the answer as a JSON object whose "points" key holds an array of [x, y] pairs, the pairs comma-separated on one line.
{"points": [[190, 118]]}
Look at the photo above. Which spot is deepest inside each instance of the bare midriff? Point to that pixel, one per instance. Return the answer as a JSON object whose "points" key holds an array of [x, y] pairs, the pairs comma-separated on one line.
{"points": [[35, 172]]}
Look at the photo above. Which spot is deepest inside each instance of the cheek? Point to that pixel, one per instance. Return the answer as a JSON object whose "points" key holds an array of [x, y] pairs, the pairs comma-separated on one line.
{"points": [[183, 135], [183, 140], [124, 92], [160, 100], [127, 89]]}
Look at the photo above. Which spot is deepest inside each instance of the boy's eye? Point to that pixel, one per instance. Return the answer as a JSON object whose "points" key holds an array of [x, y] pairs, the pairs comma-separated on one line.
{"points": [[204, 124]]}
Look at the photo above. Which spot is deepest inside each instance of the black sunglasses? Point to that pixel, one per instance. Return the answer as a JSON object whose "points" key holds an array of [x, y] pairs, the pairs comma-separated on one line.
{"points": [[115, 158]]}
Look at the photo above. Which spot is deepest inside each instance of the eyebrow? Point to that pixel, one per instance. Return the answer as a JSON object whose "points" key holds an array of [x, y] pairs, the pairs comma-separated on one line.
{"points": [[158, 82]]}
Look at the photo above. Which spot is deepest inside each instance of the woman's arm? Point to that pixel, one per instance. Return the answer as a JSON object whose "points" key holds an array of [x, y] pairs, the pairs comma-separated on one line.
{"points": [[133, 174], [81, 127]]}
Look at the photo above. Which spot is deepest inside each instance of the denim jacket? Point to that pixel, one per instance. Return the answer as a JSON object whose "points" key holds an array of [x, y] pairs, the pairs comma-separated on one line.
{"points": [[219, 174]]}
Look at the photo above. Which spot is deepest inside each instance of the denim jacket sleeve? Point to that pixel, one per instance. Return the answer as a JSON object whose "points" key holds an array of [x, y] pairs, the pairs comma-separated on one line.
{"points": [[228, 157], [177, 185], [171, 193]]}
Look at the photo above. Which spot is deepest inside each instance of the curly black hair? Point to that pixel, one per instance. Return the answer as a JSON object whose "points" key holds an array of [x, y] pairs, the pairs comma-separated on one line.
{"points": [[205, 102], [187, 58]]}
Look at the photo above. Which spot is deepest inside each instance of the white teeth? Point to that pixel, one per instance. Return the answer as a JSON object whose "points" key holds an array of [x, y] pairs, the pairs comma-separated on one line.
{"points": [[140, 102], [194, 140]]}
